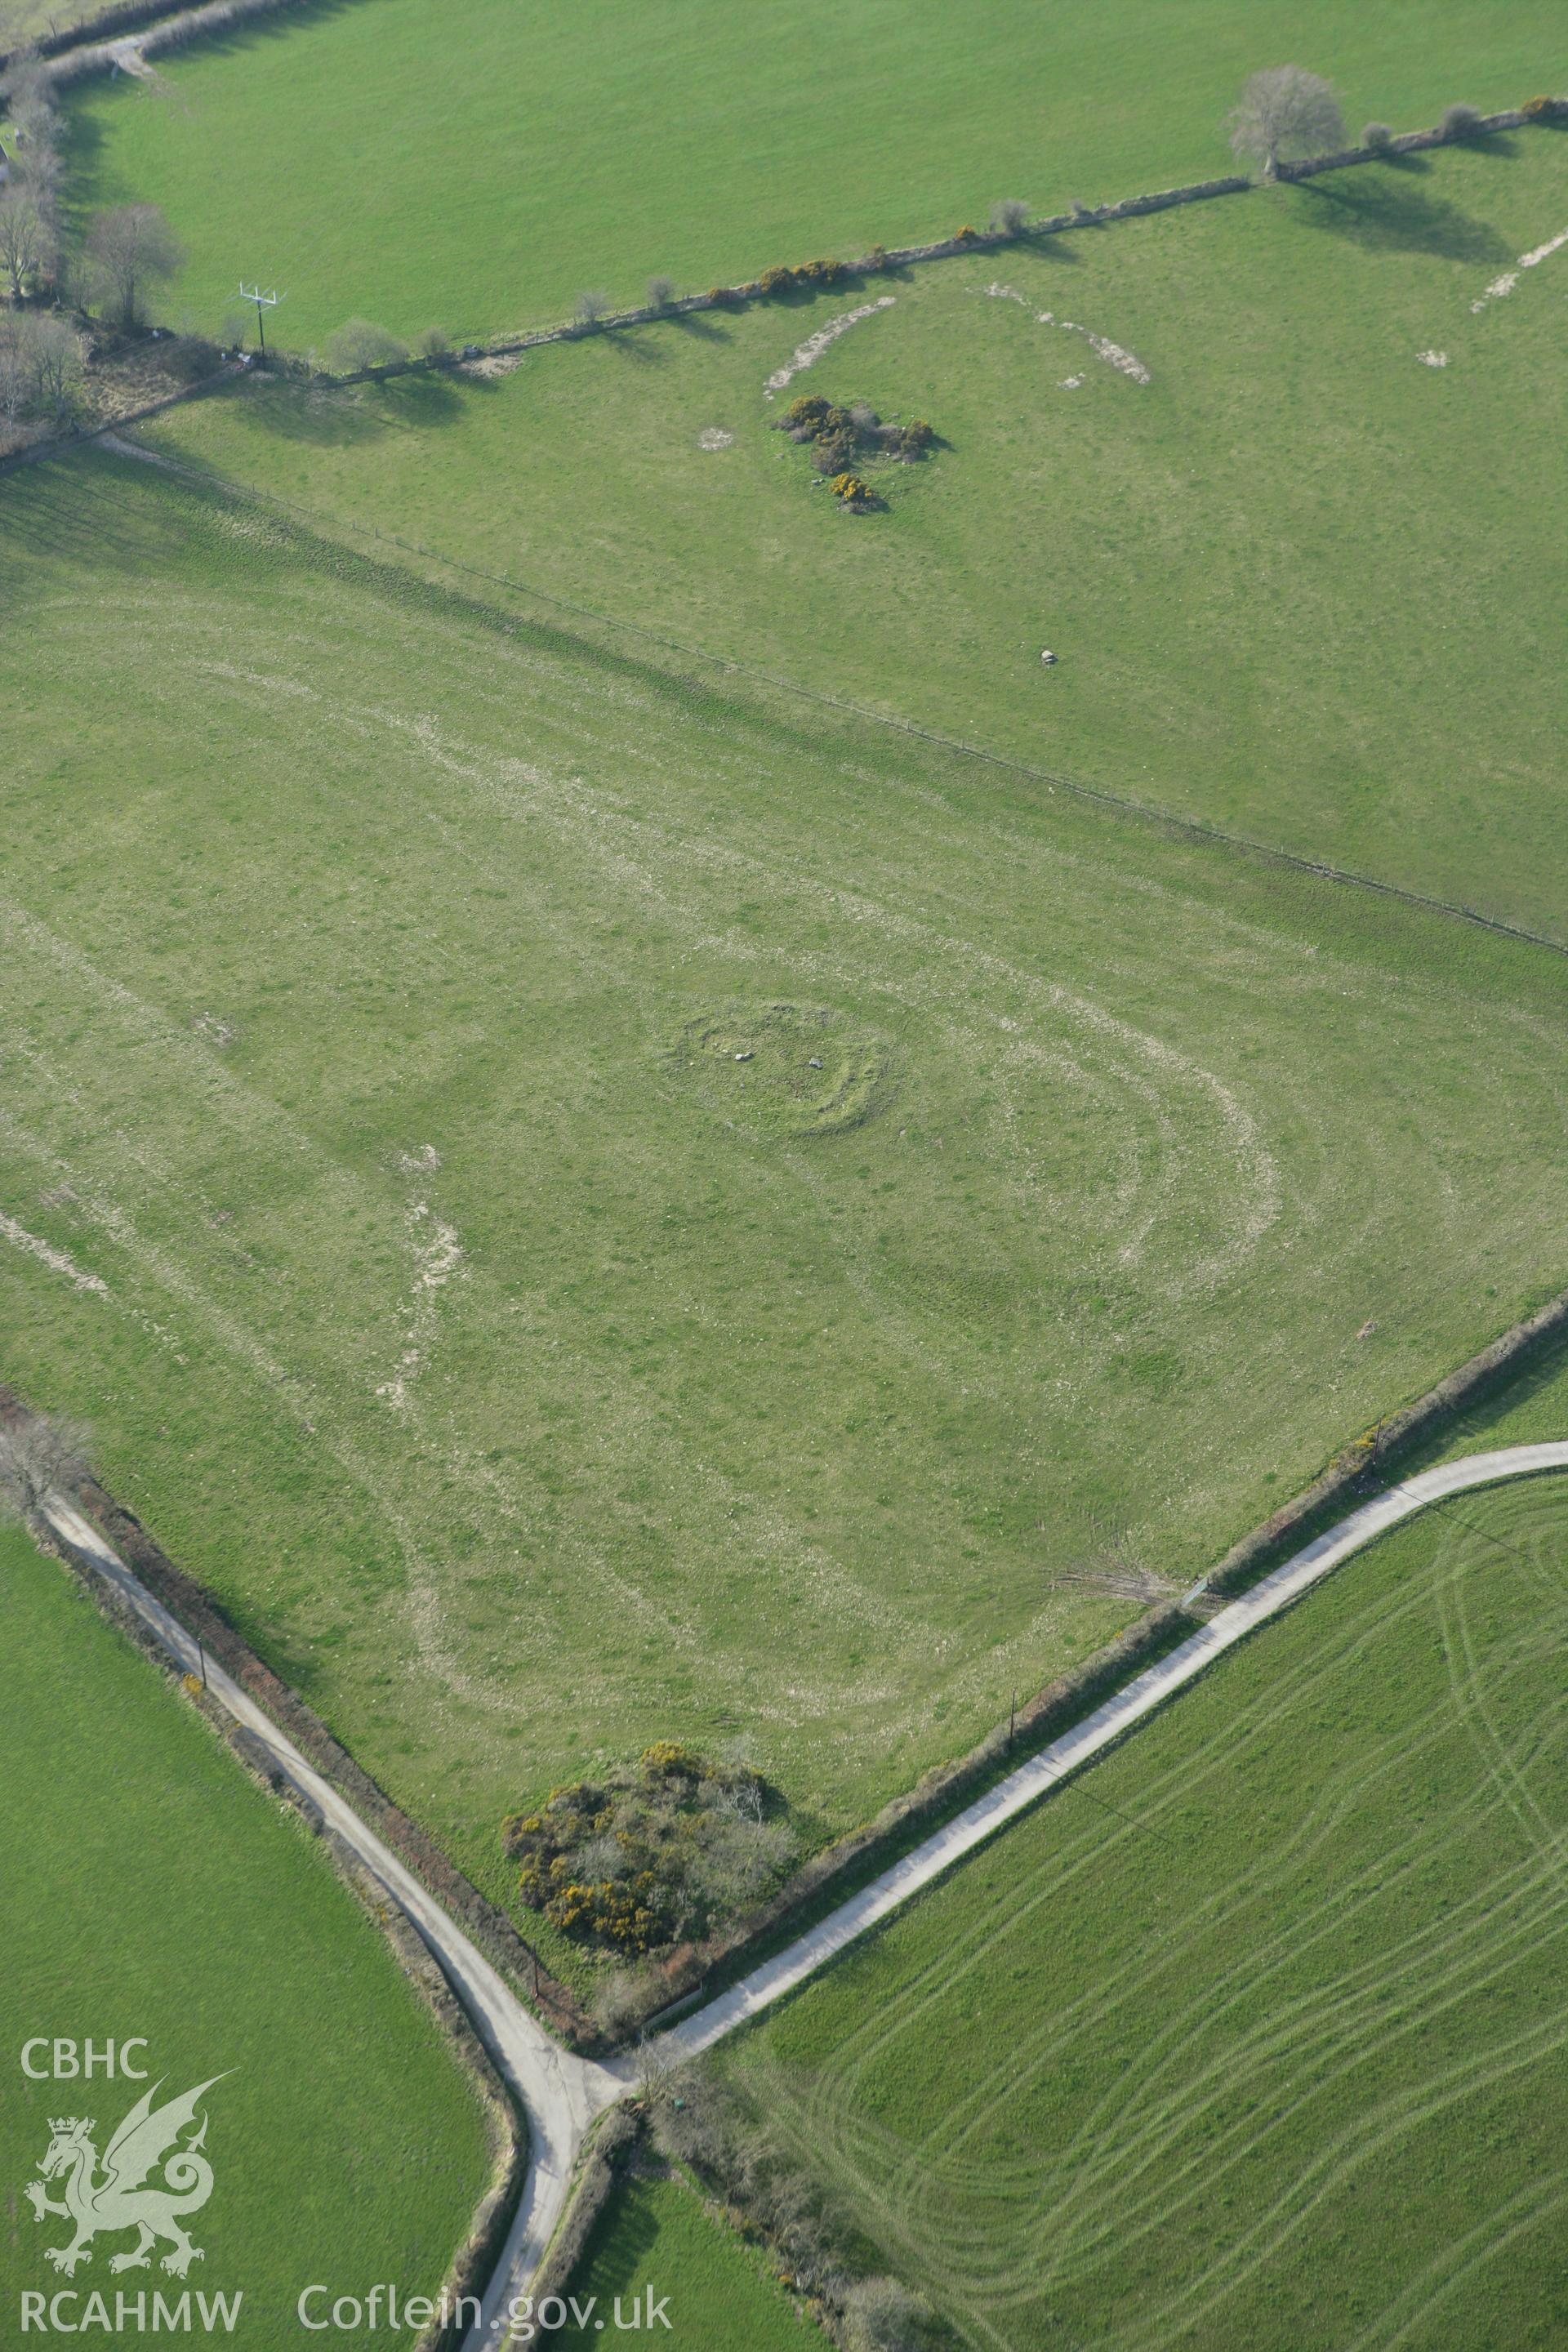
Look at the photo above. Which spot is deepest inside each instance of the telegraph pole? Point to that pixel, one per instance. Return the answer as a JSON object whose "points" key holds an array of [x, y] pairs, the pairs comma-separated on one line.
{"points": [[264, 302]]}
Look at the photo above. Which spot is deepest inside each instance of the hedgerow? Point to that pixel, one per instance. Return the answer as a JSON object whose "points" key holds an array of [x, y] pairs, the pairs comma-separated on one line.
{"points": [[810, 274]]}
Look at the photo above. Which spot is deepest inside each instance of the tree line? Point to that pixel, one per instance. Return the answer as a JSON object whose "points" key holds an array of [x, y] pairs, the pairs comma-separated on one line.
{"points": [[126, 252]]}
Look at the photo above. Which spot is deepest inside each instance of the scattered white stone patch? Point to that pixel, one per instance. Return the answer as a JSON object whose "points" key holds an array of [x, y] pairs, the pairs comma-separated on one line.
{"points": [[1539, 253], [423, 1161], [1073, 382], [127, 58], [713, 437], [55, 1259], [133, 449], [437, 1255], [494, 364], [1103, 348], [1433, 359], [439, 1258], [805, 354], [1531, 260], [1125, 362]]}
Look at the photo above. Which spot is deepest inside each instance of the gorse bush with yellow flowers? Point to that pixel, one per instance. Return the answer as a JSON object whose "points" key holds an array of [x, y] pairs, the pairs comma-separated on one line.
{"points": [[843, 439], [653, 1853]]}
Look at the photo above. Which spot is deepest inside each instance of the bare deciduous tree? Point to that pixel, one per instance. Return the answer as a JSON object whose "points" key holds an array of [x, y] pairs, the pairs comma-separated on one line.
{"points": [[746, 1802], [128, 250], [657, 2068], [1285, 114], [880, 2316], [36, 167], [38, 1455], [34, 148], [619, 2002], [660, 293], [26, 239], [55, 350], [28, 88], [16, 379], [40, 365], [1008, 217], [359, 343], [590, 306]]}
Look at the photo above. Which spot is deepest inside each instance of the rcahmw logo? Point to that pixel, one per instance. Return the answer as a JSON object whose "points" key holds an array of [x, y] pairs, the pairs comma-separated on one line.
{"points": [[152, 2178]]}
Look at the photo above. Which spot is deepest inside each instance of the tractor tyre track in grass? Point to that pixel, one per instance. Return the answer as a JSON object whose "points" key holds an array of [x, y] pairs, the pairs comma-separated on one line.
{"points": [[562, 2094]]}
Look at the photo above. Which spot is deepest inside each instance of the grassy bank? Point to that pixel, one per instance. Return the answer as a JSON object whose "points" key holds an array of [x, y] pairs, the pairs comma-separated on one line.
{"points": [[657, 2240], [154, 1892]]}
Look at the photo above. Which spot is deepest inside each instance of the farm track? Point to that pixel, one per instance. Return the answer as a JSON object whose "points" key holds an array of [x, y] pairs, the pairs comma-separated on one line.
{"points": [[562, 2094]]}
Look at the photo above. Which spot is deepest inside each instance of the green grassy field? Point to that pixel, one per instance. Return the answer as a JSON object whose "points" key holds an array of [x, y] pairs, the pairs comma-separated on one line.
{"points": [[1528, 1411], [478, 165], [153, 1891], [25, 20], [1254, 2034], [531, 1376], [656, 2239], [1296, 580]]}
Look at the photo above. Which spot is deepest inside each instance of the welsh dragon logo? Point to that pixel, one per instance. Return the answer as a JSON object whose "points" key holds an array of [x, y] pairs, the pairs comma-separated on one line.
{"points": [[116, 2199]]}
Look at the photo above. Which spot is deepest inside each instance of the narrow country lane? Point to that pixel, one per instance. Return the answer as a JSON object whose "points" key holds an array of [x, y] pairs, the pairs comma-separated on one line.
{"points": [[562, 2094]]}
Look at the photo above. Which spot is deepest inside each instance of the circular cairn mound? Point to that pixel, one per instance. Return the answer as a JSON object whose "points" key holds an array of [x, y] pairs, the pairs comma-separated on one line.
{"points": [[795, 1071]]}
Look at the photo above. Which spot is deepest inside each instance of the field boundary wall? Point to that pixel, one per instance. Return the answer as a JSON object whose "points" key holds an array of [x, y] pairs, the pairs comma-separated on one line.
{"points": [[1362, 1461], [470, 2267], [882, 260], [605, 2161], [88, 47], [701, 1969], [694, 1968], [703, 1966], [203, 1619], [879, 262]]}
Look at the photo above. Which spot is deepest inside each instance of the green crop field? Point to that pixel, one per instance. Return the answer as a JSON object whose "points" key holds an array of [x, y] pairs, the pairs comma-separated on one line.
{"points": [[1297, 580], [1254, 2036], [152, 1892], [658, 2240], [532, 1375], [478, 164]]}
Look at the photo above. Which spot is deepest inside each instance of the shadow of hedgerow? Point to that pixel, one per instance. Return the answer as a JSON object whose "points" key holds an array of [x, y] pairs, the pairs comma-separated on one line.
{"points": [[1387, 216]]}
